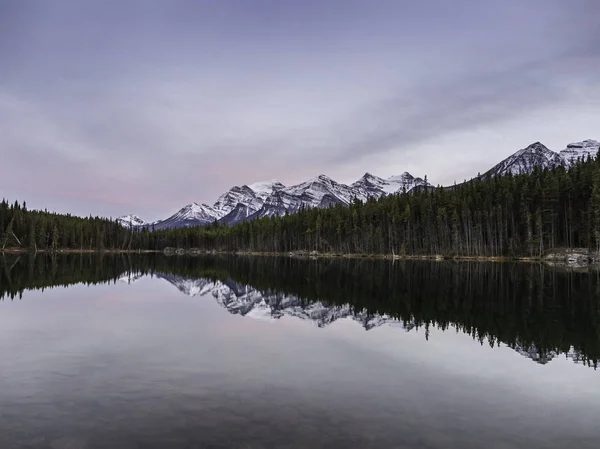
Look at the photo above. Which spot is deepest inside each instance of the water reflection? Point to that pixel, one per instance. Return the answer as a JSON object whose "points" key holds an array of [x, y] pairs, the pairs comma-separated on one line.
{"points": [[538, 311]]}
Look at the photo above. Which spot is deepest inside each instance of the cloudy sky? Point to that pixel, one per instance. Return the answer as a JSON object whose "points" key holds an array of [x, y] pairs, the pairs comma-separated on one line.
{"points": [[140, 106]]}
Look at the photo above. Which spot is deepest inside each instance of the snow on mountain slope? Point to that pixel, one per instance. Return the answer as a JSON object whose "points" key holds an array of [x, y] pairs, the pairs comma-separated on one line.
{"points": [[312, 191], [371, 186], [130, 220], [263, 189], [241, 212], [191, 215], [251, 197], [523, 161], [579, 150], [321, 191]]}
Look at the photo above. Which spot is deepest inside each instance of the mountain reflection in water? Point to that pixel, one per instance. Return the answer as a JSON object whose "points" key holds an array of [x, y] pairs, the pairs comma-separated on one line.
{"points": [[540, 312]]}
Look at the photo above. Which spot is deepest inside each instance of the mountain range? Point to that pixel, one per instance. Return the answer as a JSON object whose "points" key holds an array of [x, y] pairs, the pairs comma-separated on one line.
{"points": [[269, 198]]}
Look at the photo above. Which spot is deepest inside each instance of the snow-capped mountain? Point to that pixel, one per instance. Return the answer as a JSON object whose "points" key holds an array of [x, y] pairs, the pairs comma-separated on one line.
{"points": [[376, 187], [538, 155], [191, 215], [251, 196], [239, 203], [579, 150], [523, 161], [130, 220], [321, 191]]}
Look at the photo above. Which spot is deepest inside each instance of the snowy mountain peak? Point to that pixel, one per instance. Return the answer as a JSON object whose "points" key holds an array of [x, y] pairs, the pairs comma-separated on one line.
{"points": [[238, 203], [406, 176], [588, 143], [536, 147], [195, 212], [322, 179], [579, 150], [524, 161], [375, 187], [194, 209], [130, 220], [265, 188]]}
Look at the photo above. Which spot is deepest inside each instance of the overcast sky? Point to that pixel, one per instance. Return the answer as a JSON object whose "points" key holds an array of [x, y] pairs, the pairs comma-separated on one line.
{"points": [[114, 107]]}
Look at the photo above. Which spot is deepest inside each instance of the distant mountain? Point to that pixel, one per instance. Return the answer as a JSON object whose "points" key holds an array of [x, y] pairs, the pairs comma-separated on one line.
{"points": [[269, 198], [523, 161], [131, 220], [373, 186], [579, 150], [272, 198], [191, 215], [538, 155]]}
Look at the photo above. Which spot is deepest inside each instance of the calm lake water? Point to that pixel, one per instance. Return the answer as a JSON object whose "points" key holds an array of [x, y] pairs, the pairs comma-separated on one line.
{"points": [[156, 352]]}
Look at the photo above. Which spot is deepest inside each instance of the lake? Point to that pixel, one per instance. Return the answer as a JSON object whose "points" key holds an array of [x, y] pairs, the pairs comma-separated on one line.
{"points": [[149, 351]]}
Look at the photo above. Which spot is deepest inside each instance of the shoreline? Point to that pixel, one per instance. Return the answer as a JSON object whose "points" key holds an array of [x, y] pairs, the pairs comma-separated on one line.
{"points": [[76, 251], [563, 257]]}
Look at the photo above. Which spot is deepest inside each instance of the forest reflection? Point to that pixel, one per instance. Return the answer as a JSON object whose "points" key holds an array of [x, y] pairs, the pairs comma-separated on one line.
{"points": [[542, 312]]}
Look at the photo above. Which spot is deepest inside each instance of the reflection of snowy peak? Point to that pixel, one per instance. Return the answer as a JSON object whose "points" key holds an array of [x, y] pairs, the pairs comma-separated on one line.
{"points": [[244, 300], [130, 278], [531, 352], [187, 286]]}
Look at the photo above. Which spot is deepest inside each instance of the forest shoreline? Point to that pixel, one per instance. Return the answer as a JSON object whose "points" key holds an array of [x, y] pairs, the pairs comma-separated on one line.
{"points": [[564, 256], [76, 251]]}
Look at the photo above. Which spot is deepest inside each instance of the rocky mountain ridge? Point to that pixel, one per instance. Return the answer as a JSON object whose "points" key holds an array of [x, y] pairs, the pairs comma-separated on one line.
{"points": [[271, 198]]}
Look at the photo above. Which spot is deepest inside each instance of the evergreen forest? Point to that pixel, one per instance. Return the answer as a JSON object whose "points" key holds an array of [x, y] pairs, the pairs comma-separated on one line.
{"points": [[523, 215]]}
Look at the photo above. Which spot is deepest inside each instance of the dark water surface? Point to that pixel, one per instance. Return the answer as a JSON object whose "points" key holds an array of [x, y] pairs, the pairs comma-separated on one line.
{"points": [[157, 352]]}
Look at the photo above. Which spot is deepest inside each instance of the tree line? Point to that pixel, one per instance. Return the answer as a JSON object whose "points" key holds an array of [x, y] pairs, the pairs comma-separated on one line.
{"points": [[522, 215]]}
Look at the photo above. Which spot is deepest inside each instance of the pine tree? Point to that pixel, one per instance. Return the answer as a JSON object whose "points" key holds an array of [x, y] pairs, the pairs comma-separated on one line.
{"points": [[595, 208], [55, 237], [32, 236]]}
